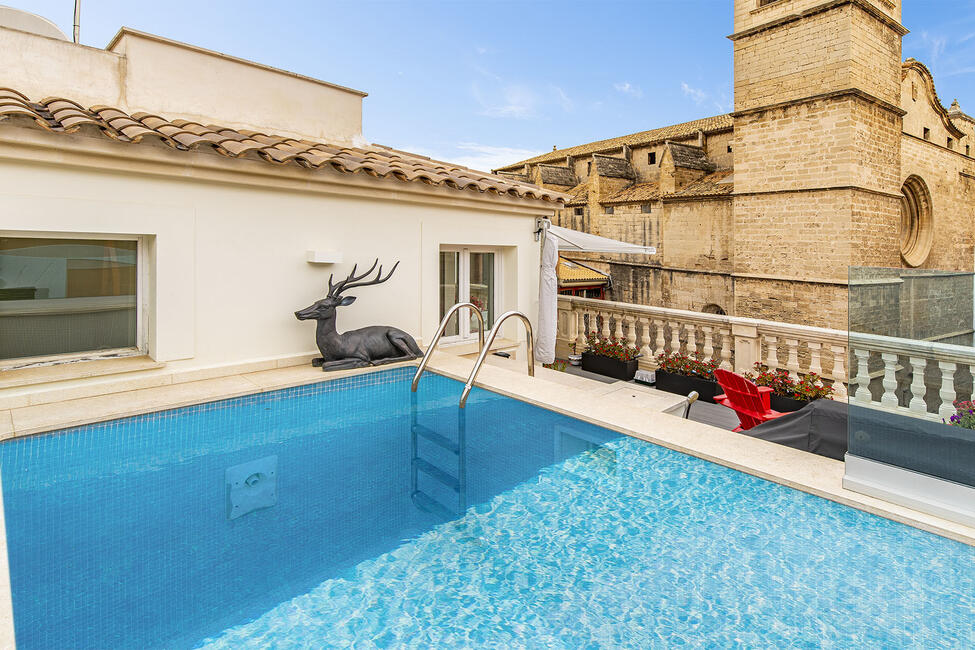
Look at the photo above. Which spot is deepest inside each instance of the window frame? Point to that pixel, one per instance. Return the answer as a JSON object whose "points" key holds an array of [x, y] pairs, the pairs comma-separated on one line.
{"points": [[465, 333], [141, 296]]}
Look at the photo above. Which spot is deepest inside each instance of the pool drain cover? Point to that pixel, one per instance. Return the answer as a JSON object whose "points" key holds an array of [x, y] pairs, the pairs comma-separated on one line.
{"points": [[252, 486]]}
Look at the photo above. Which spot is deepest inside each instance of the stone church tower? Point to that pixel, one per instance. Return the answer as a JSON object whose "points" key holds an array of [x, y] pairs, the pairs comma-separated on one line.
{"points": [[817, 162]]}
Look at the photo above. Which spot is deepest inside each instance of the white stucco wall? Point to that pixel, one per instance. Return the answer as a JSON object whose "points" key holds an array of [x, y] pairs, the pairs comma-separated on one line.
{"points": [[227, 264], [145, 73]]}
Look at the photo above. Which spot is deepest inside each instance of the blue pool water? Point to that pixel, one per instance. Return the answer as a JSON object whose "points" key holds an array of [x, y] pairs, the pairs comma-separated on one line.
{"points": [[537, 530]]}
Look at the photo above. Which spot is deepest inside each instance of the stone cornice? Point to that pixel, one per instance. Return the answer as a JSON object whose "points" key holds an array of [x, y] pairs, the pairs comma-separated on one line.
{"points": [[826, 6], [825, 188], [835, 94]]}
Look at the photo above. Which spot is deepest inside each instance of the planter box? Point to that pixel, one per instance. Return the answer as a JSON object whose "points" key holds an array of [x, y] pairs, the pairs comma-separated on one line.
{"points": [[785, 404], [683, 385], [609, 367]]}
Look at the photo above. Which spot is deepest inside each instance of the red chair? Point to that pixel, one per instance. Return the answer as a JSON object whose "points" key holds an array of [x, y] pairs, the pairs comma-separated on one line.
{"points": [[749, 401]]}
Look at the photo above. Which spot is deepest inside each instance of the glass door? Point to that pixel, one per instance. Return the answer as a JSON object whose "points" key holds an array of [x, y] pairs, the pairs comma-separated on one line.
{"points": [[468, 275]]}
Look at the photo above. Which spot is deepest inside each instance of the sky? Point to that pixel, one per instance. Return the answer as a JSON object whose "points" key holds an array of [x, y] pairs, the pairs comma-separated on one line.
{"points": [[489, 83]]}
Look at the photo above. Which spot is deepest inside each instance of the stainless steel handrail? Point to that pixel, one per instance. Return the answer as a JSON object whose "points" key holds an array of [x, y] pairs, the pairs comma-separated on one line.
{"points": [[487, 348], [436, 337]]}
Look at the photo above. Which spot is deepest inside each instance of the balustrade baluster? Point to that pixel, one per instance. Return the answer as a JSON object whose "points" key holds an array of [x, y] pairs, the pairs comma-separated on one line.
{"points": [[792, 362], [708, 342], [839, 372], [918, 364], [725, 333], [691, 338], [646, 342], [947, 392], [661, 341], [631, 331], [618, 327], [582, 332], [674, 336], [862, 393], [772, 358], [889, 398], [604, 331], [815, 357]]}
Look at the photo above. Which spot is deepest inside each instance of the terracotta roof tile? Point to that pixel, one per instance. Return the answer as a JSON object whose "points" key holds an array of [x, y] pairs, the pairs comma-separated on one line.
{"points": [[639, 193], [676, 131], [61, 115], [572, 272], [720, 183], [579, 195]]}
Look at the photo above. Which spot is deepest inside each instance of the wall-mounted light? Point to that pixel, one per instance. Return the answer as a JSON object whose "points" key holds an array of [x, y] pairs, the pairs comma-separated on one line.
{"points": [[324, 257]]}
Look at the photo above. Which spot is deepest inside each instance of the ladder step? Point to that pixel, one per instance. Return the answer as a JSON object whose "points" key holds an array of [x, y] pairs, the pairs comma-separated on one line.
{"points": [[424, 502], [438, 474], [436, 438]]}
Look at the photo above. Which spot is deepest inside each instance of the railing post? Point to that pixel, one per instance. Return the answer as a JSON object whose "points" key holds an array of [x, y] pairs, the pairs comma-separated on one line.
{"points": [[839, 372], [675, 336], [604, 330], [648, 359], [947, 392], [661, 342], [772, 359], [618, 329], [862, 393], [748, 347], [815, 357], [581, 331], [691, 339], [889, 398], [792, 361], [917, 385], [708, 342], [726, 343]]}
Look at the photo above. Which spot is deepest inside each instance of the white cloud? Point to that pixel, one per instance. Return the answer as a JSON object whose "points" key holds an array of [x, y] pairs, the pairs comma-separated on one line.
{"points": [[563, 99], [627, 88], [699, 96], [487, 157]]}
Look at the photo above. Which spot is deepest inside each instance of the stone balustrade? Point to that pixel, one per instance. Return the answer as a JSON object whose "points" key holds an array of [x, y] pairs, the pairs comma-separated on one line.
{"points": [[735, 343], [920, 378]]}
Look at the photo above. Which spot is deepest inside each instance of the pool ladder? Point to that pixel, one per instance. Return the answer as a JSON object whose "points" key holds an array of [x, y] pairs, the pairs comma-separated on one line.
{"points": [[419, 465], [483, 347]]}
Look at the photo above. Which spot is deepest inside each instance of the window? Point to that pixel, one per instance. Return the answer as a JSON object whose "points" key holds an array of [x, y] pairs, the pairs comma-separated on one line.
{"points": [[729, 148], [468, 275], [589, 168], [968, 150], [951, 143], [610, 209], [927, 133], [916, 225], [652, 158], [580, 212], [646, 208], [63, 296]]}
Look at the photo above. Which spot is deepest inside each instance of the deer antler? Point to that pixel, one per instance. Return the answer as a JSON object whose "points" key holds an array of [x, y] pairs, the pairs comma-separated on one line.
{"points": [[353, 280]]}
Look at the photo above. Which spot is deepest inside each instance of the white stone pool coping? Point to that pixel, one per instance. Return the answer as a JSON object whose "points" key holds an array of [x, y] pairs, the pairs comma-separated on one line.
{"points": [[630, 412]]}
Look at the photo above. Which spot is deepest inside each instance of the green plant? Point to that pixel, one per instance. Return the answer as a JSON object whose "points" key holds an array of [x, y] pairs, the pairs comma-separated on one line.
{"points": [[964, 415], [558, 365], [611, 347], [690, 365]]}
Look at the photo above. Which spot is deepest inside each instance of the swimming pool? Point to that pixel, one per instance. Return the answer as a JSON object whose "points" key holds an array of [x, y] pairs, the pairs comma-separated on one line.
{"points": [[398, 521]]}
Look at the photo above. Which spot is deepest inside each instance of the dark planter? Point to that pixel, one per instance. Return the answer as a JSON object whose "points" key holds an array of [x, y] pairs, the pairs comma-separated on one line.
{"points": [[608, 366], [785, 404], [683, 385]]}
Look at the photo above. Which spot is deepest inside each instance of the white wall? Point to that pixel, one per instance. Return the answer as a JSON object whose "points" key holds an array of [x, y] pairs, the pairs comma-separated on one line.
{"points": [[228, 262], [145, 73]]}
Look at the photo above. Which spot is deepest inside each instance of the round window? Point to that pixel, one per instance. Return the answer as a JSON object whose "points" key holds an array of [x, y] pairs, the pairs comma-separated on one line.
{"points": [[917, 229]]}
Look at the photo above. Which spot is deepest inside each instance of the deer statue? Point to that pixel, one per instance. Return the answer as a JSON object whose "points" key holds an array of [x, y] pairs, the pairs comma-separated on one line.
{"points": [[367, 346]]}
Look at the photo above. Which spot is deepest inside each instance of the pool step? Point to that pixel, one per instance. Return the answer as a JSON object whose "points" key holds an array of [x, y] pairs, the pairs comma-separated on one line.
{"points": [[436, 438], [435, 472], [425, 502]]}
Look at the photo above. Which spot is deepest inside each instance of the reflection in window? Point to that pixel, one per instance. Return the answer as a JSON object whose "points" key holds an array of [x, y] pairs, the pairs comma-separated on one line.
{"points": [[60, 296], [468, 276], [449, 288]]}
